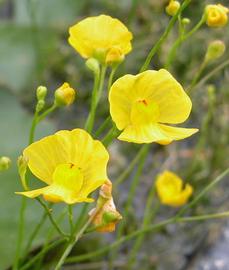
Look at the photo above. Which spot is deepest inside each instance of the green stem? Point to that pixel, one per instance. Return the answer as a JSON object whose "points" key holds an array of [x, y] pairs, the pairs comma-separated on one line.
{"points": [[55, 225], [158, 44], [146, 221], [96, 95], [130, 167], [42, 252], [202, 193], [110, 80], [182, 37], [130, 198], [70, 218], [33, 127], [74, 240], [20, 233], [34, 233], [45, 113], [103, 126], [197, 76], [212, 73], [148, 229], [111, 134]]}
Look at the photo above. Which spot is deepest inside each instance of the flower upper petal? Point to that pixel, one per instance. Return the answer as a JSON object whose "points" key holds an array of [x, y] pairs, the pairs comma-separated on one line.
{"points": [[161, 88]]}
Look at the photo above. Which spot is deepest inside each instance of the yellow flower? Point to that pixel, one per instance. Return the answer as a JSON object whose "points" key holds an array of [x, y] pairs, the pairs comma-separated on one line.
{"points": [[71, 163], [216, 15], [140, 104], [64, 95], [172, 7], [99, 37], [171, 191]]}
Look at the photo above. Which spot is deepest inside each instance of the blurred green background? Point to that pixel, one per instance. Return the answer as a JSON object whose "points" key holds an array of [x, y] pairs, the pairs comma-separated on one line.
{"points": [[34, 51]]}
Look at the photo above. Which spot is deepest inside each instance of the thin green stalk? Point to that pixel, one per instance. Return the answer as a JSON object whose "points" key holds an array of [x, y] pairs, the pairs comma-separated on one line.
{"points": [[48, 238], [74, 240], [181, 39], [111, 134], [55, 225], [147, 219], [110, 80], [82, 214], [148, 229], [130, 167], [131, 194], [103, 126], [45, 113], [34, 233], [70, 218], [202, 193], [90, 120], [132, 12], [33, 127], [42, 252], [197, 76], [96, 95], [212, 73], [20, 233], [158, 44]]}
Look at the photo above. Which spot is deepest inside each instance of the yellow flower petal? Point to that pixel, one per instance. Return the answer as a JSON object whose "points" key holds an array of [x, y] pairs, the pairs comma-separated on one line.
{"points": [[159, 133], [99, 33], [75, 147], [170, 189]]}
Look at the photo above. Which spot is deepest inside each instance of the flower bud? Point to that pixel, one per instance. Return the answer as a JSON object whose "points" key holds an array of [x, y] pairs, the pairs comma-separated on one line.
{"points": [[107, 217], [22, 164], [172, 7], [216, 15], [5, 163], [93, 65], [64, 95], [41, 92], [40, 105], [215, 50], [114, 56], [186, 21]]}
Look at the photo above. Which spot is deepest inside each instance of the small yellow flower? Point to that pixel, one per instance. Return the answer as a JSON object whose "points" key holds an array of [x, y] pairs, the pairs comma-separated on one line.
{"points": [[171, 191], [99, 36], [217, 15], [140, 104], [172, 7], [71, 163], [64, 95]]}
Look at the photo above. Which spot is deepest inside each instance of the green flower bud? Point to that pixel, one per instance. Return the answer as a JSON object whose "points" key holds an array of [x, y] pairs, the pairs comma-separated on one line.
{"points": [[5, 163], [41, 92], [93, 65], [215, 50], [186, 21], [40, 105]]}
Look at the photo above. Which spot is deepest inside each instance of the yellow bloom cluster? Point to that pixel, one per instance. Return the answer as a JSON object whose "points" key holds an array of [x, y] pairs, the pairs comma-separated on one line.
{"points": [[170, 189]]}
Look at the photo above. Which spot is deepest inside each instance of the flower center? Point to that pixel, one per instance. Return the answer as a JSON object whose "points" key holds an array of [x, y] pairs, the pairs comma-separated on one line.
{"points": [[144, 112], [68, 176]]}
